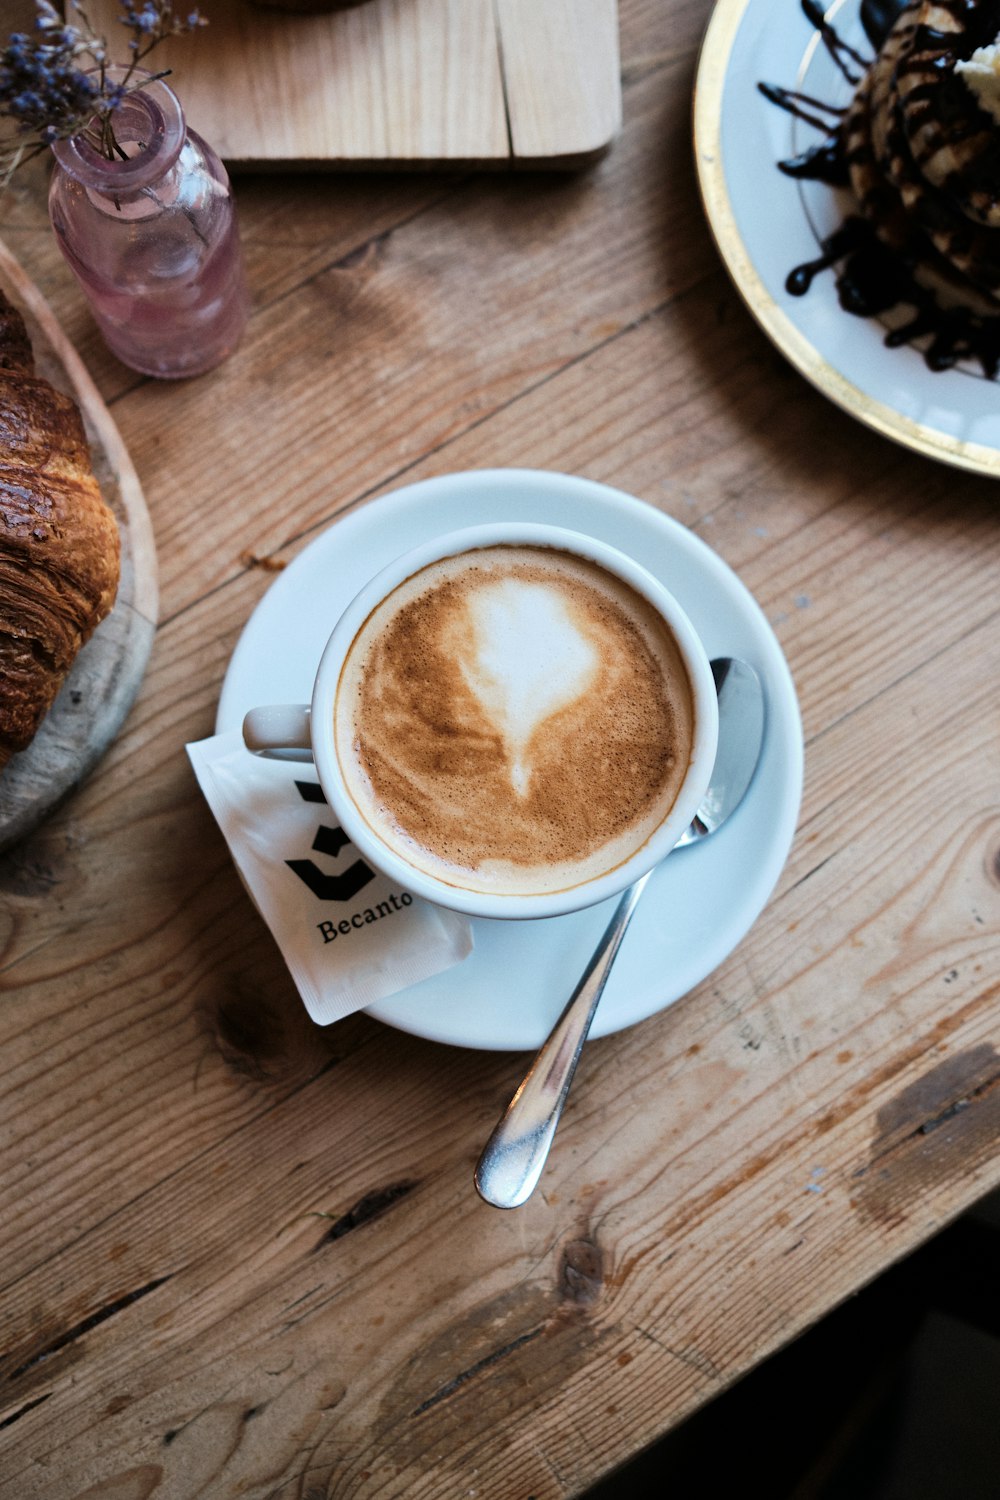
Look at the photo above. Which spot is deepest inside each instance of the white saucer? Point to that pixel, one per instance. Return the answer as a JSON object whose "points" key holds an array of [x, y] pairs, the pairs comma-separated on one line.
{"points": [[700, 902]]}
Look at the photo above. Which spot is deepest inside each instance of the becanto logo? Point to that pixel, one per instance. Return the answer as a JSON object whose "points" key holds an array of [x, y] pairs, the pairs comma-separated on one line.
{"points": [[338, 885]]}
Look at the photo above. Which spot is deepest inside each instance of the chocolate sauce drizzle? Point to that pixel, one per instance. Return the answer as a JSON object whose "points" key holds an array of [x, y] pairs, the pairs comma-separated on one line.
{"points": [[878, 17], [843, 55], [872, 279]]}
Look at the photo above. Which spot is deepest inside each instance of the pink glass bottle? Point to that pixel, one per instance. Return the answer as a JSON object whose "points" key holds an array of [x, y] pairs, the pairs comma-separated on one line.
{"points": [[153, 238]]}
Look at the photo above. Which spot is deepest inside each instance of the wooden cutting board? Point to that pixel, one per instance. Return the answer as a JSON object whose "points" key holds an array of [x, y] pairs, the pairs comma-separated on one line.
{"points": [[105, 677], [399, 82]]}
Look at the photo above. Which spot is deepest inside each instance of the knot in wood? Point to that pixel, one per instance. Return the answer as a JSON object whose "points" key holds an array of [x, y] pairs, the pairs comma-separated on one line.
{"points": [[31, 871], [249, 1031], [581, 1278]]}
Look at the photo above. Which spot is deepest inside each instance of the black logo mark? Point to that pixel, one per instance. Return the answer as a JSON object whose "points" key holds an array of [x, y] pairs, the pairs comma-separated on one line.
{"points": [[342, 887], [311, 791]]}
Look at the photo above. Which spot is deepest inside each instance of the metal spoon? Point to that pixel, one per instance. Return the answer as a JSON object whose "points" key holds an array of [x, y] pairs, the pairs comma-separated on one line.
{"points": [[515, 1153]]}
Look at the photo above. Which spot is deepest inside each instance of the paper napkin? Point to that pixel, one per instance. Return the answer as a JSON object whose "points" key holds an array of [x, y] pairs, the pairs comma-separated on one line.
{"points": [[349, 935]]}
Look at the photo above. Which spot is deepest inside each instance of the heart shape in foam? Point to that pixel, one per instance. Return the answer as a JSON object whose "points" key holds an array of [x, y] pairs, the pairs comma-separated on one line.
{"points": [[525, 658]]}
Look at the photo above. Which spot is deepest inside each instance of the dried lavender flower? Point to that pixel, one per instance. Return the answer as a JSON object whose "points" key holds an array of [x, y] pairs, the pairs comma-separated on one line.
{"points": [[55, 82]]}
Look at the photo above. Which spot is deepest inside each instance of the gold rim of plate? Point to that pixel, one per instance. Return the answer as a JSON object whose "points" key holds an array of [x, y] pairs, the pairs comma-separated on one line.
{"points": [[710, 82]]}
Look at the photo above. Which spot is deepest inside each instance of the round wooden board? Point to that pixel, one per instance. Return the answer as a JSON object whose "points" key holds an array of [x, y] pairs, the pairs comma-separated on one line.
{"points": [[105, 677]]}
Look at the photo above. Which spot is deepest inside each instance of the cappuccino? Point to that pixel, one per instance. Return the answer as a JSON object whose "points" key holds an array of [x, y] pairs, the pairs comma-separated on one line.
{"points": [[514, 719]]}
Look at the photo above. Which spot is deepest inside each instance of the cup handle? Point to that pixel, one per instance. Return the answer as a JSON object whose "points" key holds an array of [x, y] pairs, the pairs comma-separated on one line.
{"points": [[279, 732]]}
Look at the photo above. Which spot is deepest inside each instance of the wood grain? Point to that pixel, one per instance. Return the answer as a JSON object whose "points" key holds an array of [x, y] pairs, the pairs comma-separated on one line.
{"points": [[104, 679], [419, 83], [561, 78], [244, 1255]]}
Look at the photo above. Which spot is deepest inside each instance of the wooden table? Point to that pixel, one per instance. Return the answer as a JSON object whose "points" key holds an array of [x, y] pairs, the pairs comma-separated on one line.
{"points": [[242, 1255]]}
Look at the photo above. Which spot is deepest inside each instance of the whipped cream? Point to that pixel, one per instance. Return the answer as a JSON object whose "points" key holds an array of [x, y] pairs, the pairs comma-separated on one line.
{"points": [[981, 73]]}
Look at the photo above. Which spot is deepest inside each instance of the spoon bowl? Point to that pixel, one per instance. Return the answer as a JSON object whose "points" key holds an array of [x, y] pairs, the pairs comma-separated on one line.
{"points": [[516, 1152]]}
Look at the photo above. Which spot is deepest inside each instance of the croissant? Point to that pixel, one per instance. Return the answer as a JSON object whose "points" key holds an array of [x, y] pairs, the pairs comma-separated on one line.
{"points": [[59, 545]]}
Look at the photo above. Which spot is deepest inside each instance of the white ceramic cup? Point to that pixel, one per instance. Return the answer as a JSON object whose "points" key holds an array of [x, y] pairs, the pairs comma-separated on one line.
{"points": [[306, 732]]}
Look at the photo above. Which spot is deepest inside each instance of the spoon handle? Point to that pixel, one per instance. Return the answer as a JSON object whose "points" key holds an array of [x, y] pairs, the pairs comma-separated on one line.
{"points": [[515, 1153]]}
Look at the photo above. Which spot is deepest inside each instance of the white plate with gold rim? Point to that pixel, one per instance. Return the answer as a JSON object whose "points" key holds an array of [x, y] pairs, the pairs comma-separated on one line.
{"points": [[766, 223], [701, 901]]}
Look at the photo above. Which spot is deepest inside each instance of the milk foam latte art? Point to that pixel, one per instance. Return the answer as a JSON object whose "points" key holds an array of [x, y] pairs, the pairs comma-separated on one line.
{"points": [[514, 719]]}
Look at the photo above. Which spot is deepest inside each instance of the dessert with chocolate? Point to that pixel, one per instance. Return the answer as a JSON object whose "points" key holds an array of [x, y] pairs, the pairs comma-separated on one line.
{"points": [[919, 147]]}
